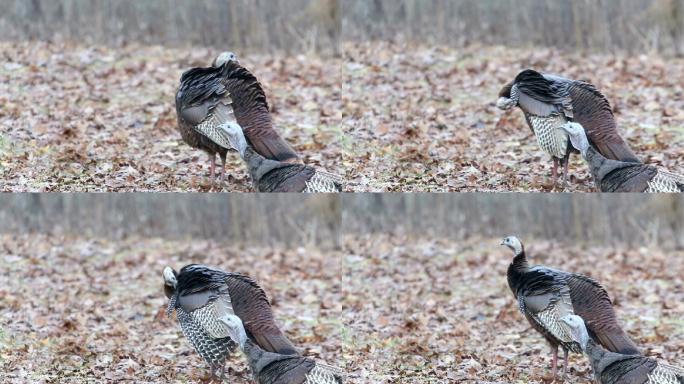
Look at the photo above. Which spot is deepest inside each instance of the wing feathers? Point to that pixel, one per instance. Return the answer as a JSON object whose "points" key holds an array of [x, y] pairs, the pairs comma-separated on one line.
{"points": [[252, 306], [592, 303], [593, 111]]}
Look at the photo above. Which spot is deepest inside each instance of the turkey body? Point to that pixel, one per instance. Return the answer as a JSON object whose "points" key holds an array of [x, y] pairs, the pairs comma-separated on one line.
{"points": [[613, 368], [203, 294], [273, 176], [273, 368], [209, 97], [617, 368], [549, 102], [546, 295], [617, 176]]}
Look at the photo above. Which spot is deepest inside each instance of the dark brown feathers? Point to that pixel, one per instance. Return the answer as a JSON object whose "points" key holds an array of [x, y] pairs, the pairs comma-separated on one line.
{"points": [[506, 90], [272, 368], [538, 87], [252, 306], [613, 368], [252, 113], [293, 370], [592, 110], [273, 176], [591, 302]]}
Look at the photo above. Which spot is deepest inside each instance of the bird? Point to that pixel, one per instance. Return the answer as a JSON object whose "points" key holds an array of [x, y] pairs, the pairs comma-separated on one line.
{"points": [[226, 92], [278, 176], [546, 295], [617, 368], [619, 176], [200, 295], [276, 368], [549, 101]]}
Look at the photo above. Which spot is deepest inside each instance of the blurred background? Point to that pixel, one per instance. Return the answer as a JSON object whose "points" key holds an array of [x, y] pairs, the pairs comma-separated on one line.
{"points": [[597, 25], [284, 220], [597, 220], [253, 25]]}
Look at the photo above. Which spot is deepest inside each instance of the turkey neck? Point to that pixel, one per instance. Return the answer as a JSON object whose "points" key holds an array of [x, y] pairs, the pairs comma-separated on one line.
{"points": [[601, 359], [599, 166], [516, 270], [259, 165], [259, 359], [595, 354]]}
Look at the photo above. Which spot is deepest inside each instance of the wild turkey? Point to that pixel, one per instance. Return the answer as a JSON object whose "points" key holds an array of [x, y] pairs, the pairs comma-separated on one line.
{"points": [[550, 101], [277, 176], [546, 295], [200, 295], [275, 368], [226, 92], [615, 368], [619, 176]]}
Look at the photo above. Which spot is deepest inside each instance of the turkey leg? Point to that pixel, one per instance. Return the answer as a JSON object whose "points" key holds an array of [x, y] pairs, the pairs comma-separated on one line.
{"points": [[223, 371], [554, 361], [213, 377], [565, 362], [212, 168], [554, 172], [566, 161], [223, 168]]}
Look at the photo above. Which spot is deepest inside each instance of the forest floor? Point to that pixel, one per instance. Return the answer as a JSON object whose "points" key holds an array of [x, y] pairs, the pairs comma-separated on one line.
{"points": [[78, 118], [424, 118], [73, 309], [434, 311]]}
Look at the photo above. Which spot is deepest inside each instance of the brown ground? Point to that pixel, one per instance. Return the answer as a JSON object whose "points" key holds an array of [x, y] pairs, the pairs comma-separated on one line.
{"points": [[78, 118], [75, 309], [438, 311], [424, 118]]}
